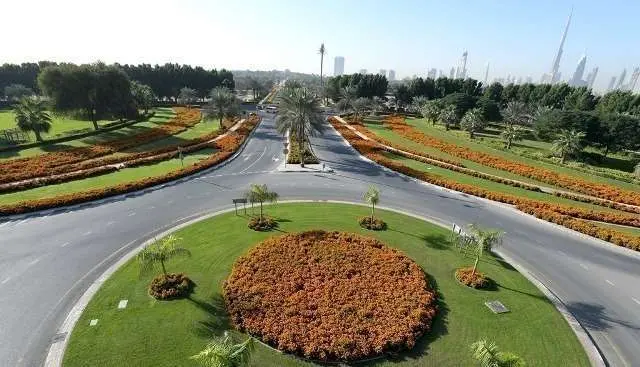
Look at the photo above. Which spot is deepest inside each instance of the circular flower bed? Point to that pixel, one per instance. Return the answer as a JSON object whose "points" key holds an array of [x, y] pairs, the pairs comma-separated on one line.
{"points": [[262, 224], [375, 225], [170, 286], [477, 280], [330, 296]]}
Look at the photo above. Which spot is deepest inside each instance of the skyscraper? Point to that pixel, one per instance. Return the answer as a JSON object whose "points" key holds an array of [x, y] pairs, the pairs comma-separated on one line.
{"points": [[432, 73], [461, 72], [486, 74], [554, 76], [338, 65], [634, 79], [392, 75], [621, 79], [452, 73], [612, 82], [591, 78], [382, 72], [576, 80]]}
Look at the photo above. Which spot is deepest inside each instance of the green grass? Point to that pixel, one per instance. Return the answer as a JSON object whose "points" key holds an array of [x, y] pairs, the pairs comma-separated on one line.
{"points": [[202, 128], [60, 125], [460, 138], [161, 116], [122, 176], [155, 333]]}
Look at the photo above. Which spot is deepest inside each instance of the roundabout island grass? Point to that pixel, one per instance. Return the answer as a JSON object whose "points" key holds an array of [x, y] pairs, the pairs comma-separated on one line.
{"points": [[165, 333]]}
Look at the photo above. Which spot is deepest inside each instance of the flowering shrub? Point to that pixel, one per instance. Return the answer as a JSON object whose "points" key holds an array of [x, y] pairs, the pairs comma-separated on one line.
{"points": [[262, 224], [470, 279], [397, 124], [294, 153], [330, 296], [376, 225], [170, 286]]}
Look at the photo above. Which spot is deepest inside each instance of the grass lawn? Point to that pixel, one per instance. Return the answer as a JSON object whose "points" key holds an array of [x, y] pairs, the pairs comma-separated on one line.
{"points": [[166, 333], [161, 116], [460, 138], [202, 128], [110, 179], [60, 125]]}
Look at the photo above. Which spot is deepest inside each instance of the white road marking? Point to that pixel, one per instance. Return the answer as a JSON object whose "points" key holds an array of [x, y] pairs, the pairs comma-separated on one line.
{"points": [[609, 282], [132, 214], [584, 266], [635, 300], [256, 161], [562, 253], [64, 244], [33, 262], [6, 280]]}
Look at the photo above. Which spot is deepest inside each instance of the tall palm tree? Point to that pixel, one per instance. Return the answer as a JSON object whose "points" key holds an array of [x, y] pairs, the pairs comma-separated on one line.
{"points": [[516, 113], [260, 194], [483, 240], [222, 103], [159, 252], [300, 114], [322, 51], [31, 115], [473, 122], [224, 353], [358, 106], [488, 355], [372, 197], [568, 142], [512, 133], [448, 116]]}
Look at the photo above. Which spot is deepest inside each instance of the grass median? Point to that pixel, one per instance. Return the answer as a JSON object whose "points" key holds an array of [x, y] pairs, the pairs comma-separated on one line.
{"points": [[156, 333]]}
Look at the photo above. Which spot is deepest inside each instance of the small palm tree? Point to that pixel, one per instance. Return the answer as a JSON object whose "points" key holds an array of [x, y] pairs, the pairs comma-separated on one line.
{"points": [[158, 253], [473, 122], [359, 106], [512, 133], [488, 355], [222, 103], [187, 96], [260, 194], [568, 143], [483, 240], [431, 111], [516, 113], [448, 116], [31, 115], [224, 353], [372, 196], [300, 114]]}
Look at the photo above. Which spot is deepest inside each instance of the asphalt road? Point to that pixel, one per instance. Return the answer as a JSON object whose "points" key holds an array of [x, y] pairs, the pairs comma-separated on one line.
{"points": [[48, 261]]}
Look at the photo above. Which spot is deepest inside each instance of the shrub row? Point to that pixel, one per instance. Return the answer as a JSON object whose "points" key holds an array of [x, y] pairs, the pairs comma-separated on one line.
{"points": [[397, 124], [330, 296], [294, 153], [226, 147], [46, 164], [370, 150]]}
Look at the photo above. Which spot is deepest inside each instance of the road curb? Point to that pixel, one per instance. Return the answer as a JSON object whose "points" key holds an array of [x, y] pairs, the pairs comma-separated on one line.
{"points": [[56, 352]]}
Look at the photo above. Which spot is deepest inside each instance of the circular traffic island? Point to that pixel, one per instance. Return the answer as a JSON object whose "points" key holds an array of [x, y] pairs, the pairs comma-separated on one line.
{"points": [[330, 296]]}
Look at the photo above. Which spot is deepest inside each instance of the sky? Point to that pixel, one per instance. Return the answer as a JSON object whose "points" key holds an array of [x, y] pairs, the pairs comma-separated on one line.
{"points": [[516, 37]]}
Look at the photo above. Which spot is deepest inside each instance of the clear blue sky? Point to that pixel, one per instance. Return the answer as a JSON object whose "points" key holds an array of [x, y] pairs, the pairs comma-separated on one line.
{"points": [[516, 37]]}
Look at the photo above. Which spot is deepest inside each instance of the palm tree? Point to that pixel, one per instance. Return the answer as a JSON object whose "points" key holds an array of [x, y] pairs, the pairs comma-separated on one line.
{"points": [[159, 252], [187, 96], [488, 355], [512, 133], [431, 111], [372, 196], [348, 94], [260, 194], [516, 113], [31, 115], [448, 116], [301, 115], [568, 143], [636, 170], [222, 103], [483, 240], [359, 105], [224, 353], [473, 122], [322, 51]]}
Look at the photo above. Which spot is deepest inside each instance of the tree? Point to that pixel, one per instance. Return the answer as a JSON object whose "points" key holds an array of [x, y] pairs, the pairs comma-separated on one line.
{"points": [[448, 116], [322, 51], [159, 252], [516, 113], [260, 194], [224, 353], [494, 92], [187, 96], [473, 122], [512, 133], [618, 132], [483, 240], [372, 197], [15, 92], [580, 99], [567, 143], [488, 355], [359, 106], [401, 95], [142, 95], [31, 115], [462, 102], [417, 103], [431, 110], [301, 115], [348, 94], [223, 103], [489, 108], [636, 170]]}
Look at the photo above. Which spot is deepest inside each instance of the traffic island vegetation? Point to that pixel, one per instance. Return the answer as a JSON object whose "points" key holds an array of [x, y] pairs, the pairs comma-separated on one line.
{"points": [[166, 285], [138, 335]]}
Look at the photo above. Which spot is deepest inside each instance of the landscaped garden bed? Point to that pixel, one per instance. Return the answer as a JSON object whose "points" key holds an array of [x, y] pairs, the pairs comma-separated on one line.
{"points": [[294, 153]]}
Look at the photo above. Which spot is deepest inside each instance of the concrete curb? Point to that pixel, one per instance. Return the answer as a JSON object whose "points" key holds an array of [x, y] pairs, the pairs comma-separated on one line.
{"points": [[55, 354]]}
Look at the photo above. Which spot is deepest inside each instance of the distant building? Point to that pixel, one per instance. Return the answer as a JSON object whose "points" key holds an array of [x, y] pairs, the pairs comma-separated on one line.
{"points": [[363, 71], [621, 79], [576, 79], [461, 72], [529, 80], [612, 82], [634, 79], [382, 72], [338, 66], [486, 75], [432, 73], [591, 78], [452, 73], [554, 75], [440, 73], [392, 75]]}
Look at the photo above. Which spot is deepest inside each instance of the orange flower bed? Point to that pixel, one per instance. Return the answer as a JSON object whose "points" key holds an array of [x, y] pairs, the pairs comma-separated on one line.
{"points": [[397, 124], [330, 296], [540, 209], [475, 280], [225, 146]]}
